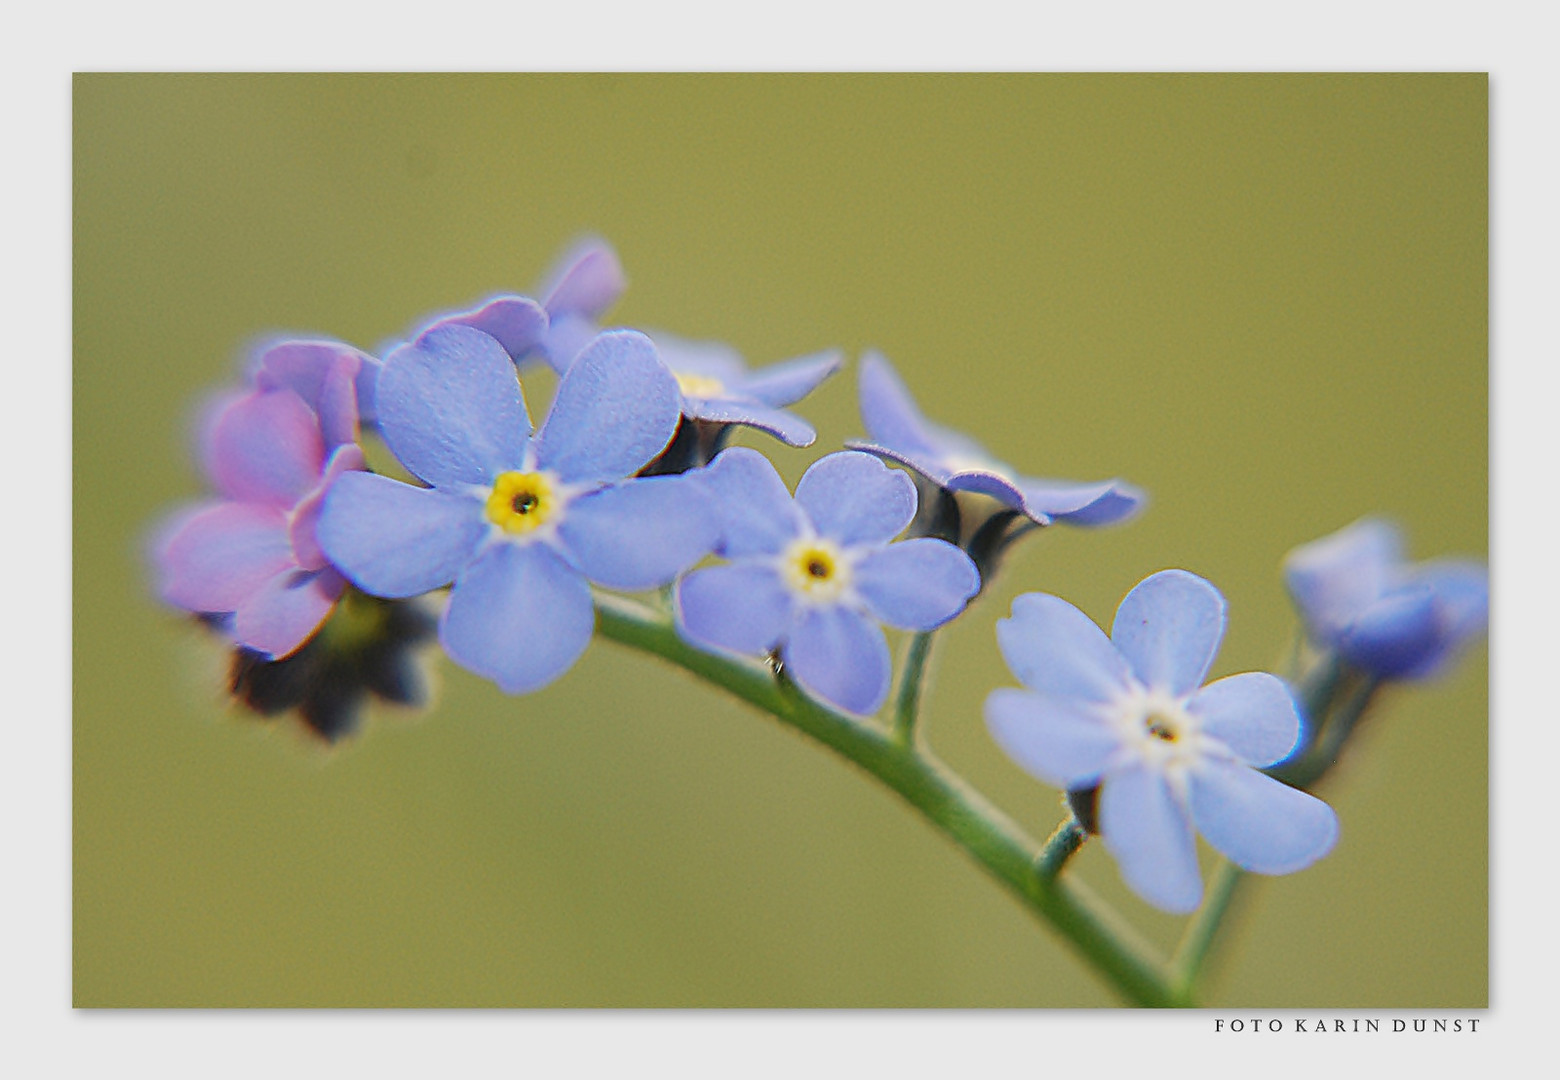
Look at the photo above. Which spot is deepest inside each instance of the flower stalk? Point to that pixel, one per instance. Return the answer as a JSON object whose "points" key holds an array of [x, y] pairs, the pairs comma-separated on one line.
{"points": [[907, 703], [987, 835]]}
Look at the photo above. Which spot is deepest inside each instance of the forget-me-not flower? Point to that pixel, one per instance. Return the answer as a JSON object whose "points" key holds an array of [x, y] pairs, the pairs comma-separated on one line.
{"points": [[1170, 757], [1382, 615], [520, 524], [897, 430], [813, 577], [272, 453]]}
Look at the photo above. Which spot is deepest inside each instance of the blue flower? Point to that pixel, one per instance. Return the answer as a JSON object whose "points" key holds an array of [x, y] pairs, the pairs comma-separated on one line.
{"points": [[1384, 617], [520, 524], [1128, 714], [896, 430], [718, 389], [813, 577], [252, 555]]}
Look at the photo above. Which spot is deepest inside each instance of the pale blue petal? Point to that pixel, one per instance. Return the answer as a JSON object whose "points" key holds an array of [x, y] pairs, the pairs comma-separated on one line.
{"points": [[1052, 739], [923, 462], [741, 607], [1394, 635], [854, 498], [916, 584], [616, 409], [707, 359], [963, 453], [518, 615], [1258, 823], [1169, 628], [393, 539], [1056, 649], [639, 534], [1462, 601], [586, 280], [450, 408], [994, 484], [1253, 714], [789, 381], [840, 657], [218, 556], [1462, 595], [1104, 503], [284, 612], [366, 386], [517, 323], [1149, 833], [757, 514], [889, 412], [567, 336], [1334, 579], [787, 427]]}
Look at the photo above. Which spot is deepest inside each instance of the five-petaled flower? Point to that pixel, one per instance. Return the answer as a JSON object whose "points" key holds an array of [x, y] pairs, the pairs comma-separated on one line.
{"points": [[1383, 616], [1129, 715], [520, 524], [272, 453], [813, 577], [897, 430]]}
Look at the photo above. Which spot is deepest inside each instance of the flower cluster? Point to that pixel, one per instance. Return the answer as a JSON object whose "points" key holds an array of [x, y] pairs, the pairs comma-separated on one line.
{"points": [[315, 566]]}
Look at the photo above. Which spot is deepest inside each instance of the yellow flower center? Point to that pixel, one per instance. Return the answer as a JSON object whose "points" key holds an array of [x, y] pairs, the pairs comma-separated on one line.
{"points": [[521, 502], [699, 386], [816, 569]]}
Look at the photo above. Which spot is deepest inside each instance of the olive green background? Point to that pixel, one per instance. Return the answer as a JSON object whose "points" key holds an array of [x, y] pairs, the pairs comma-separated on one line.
{"points": [[1261, 298]]}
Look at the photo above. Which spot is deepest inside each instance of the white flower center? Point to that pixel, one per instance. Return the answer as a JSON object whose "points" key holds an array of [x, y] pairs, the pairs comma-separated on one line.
{"points": [[1157, 729]]}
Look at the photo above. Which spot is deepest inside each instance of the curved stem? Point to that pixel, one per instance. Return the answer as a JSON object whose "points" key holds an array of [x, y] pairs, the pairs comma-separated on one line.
{"points": [[907, 704], [1191, 956], [984, 832], [1062, 846]]}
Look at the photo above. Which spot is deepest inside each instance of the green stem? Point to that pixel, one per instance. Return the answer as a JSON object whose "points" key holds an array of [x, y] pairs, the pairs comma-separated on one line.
{"points": [[1191, 956], [1062, 845], [907, 704], [984, 832]]}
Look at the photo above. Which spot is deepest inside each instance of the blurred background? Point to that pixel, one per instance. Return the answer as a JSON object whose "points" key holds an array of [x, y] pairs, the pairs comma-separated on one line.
{"points": [[1261, 298]]}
